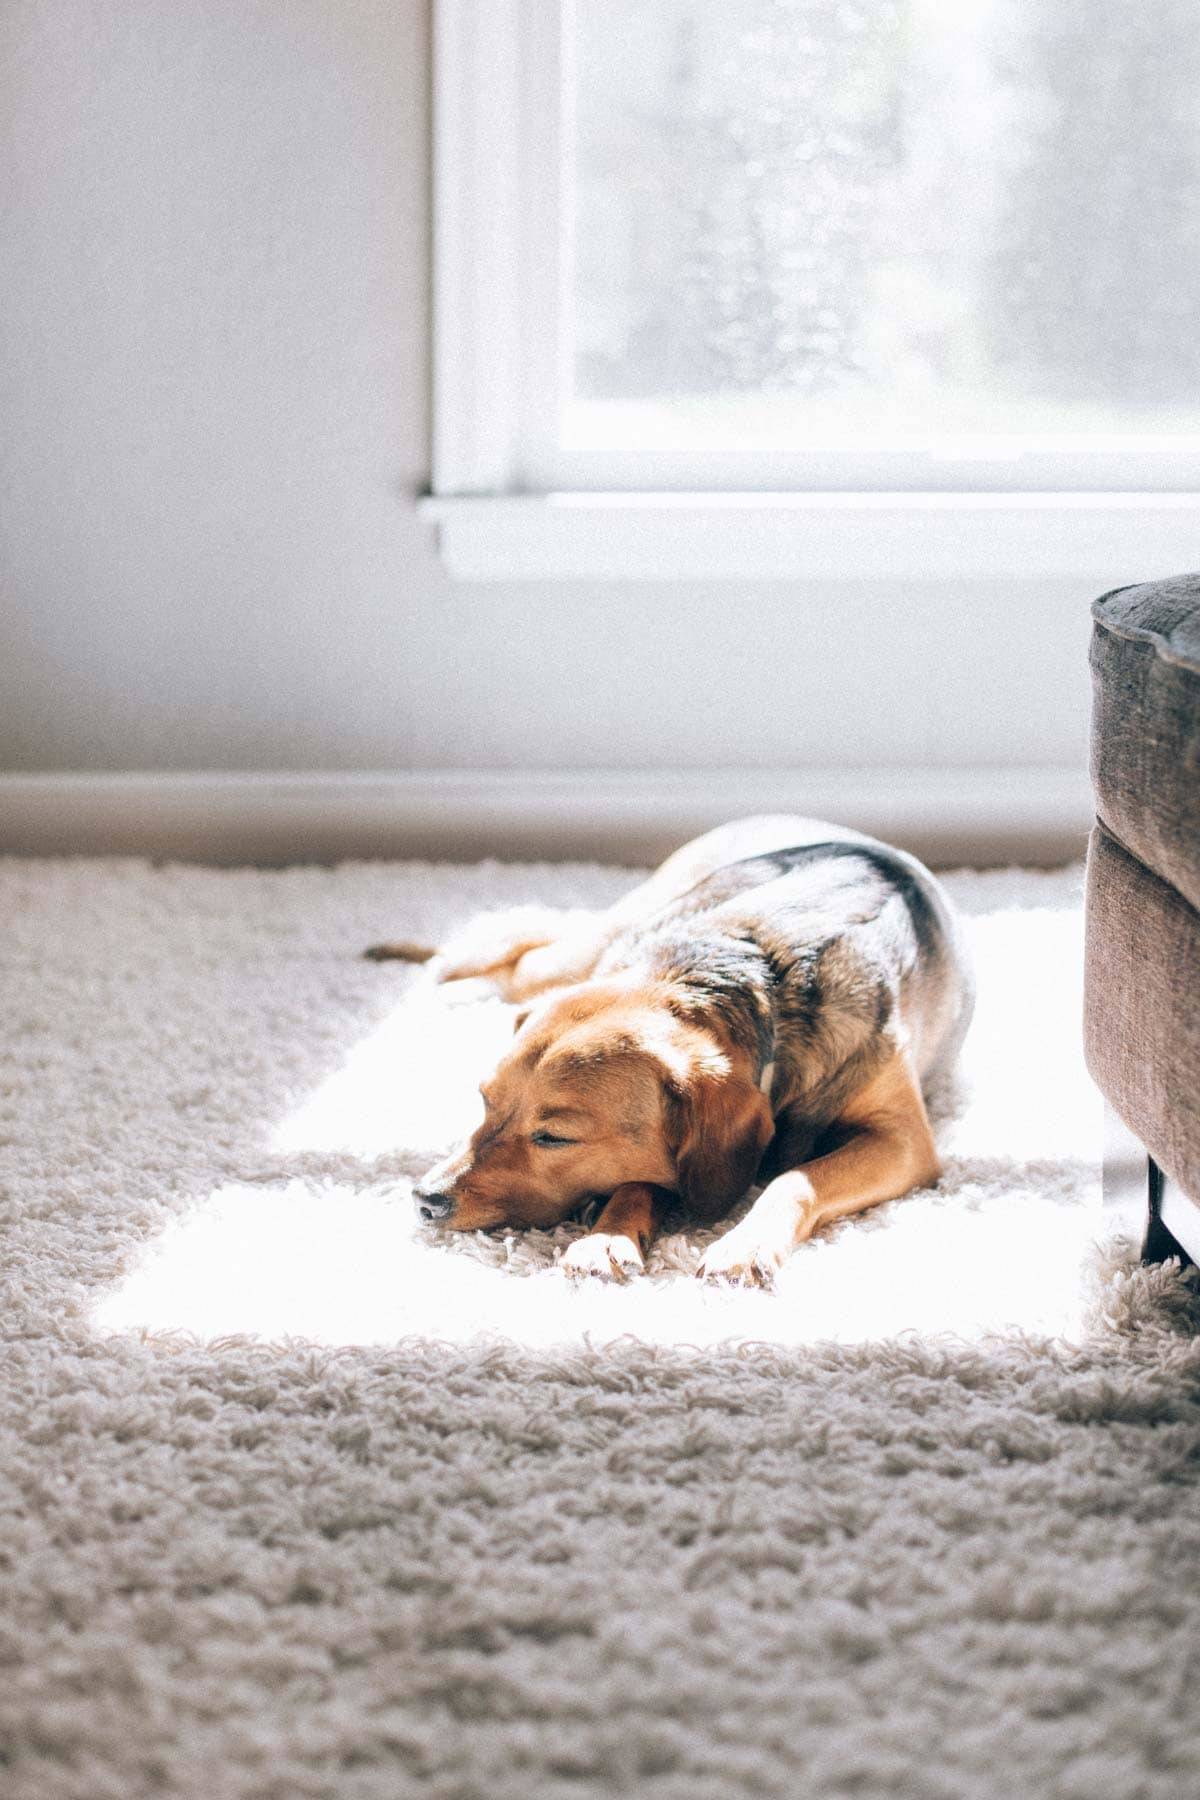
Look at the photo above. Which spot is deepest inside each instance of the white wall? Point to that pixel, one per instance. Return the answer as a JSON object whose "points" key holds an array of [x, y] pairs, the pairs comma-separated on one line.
{"points": [[214, 385]]}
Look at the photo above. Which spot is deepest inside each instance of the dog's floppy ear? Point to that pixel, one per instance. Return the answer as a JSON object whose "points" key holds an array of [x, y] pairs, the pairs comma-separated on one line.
{"points": [[720, 1125]]}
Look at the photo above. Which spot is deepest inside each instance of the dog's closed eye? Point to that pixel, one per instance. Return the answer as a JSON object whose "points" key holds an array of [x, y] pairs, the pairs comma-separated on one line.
{"points": [[550, 1140]]}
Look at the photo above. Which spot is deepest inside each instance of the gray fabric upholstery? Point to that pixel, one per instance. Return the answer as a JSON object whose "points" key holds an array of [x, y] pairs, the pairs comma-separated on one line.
{"points": [[1142, 988], [1165, 614], [1142, 1005], [1146, 725]]}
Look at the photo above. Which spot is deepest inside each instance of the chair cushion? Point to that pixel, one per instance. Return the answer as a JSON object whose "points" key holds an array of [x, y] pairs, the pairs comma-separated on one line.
{"points": [[1146, 724], [1141, 1017]]}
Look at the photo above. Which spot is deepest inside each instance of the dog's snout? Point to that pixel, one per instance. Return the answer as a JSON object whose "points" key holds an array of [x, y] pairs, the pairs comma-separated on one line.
{"points": [[432, 1207]]}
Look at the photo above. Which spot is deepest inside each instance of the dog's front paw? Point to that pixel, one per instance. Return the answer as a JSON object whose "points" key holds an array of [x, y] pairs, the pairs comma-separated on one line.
{"points": [[740, 1259], [603, 1253]]}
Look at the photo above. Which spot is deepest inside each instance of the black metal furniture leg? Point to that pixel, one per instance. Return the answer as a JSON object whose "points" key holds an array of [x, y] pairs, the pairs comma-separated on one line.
{"points": [[1158, 1243]]}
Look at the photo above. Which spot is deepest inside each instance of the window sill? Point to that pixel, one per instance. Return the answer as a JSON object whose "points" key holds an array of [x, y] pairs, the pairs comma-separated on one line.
{"points": [[1100, 538]]}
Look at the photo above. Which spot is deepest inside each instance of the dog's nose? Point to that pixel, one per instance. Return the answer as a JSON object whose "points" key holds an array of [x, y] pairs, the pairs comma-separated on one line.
{"points": [[433, 1207]]}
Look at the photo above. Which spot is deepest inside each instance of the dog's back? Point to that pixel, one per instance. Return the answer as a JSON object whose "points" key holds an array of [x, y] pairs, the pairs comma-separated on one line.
{"points": [[843, 946]]}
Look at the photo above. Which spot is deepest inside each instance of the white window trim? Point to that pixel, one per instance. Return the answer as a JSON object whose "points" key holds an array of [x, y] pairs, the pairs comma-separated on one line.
{"points": [[498, 503], [1106, 540]]}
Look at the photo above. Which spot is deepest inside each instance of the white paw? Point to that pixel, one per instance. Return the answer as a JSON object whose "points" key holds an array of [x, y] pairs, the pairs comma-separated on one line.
{"points": [[603, 1253], [740, 1259]]}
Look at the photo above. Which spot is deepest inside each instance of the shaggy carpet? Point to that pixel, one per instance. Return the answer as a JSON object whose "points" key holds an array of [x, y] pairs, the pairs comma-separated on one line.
{"points": [[297, 1499]]}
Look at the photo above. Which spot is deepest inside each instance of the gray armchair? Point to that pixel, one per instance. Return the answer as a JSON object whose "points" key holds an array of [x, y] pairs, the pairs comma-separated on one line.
{"points": [[1142, 972]]}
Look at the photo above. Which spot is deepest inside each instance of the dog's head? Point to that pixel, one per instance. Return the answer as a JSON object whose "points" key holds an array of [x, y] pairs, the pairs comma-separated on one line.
{"points": [[603, 1085]]}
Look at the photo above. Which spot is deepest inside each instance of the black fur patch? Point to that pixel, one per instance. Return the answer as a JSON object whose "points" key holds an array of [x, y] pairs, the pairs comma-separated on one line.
{"points": [[808, 976]]}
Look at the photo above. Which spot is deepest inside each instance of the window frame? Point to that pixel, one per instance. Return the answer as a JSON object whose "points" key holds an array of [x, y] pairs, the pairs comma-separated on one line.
{"points": [[509, 503]]}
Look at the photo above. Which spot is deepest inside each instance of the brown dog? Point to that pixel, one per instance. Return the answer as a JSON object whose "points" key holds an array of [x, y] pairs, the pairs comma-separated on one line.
{"points": [[765, 1008]]}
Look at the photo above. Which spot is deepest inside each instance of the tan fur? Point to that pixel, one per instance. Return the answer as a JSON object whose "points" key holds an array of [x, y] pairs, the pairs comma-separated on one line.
{"points": [[593, 1065], [888, 1150], [652, 1104], [655, 1107], [618, 1241]]}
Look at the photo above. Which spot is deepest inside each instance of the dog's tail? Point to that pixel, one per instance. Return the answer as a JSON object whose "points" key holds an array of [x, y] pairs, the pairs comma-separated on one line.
{"points": [[400, 952]]}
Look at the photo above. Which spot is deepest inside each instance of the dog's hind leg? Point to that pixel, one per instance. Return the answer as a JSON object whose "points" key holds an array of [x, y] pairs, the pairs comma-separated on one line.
{"points": [[564, 960], [521, 952]]}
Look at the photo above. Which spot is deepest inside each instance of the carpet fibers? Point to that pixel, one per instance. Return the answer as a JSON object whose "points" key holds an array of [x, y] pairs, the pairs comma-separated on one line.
{"points": [[299, 1500]]}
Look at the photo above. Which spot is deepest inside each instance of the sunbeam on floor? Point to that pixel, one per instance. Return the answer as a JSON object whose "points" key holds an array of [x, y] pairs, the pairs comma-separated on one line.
{"points": [[411, 1086], [1004, 1244], [344, 1267]]}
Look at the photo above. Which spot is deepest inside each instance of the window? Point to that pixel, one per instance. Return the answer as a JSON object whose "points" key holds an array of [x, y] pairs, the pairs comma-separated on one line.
{"points": [[819, 286]]}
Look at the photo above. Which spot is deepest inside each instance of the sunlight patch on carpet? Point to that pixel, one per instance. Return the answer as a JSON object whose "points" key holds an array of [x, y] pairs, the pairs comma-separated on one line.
{"points": [[343, 1267], [1004, 1244], [411, 1085]]}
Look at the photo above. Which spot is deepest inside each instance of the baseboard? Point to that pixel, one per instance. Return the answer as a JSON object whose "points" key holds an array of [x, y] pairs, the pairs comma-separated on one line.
{"points": [[976, 816]]}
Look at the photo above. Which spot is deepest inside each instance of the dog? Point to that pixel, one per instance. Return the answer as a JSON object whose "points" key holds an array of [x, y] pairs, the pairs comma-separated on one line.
{"points": [[767, 1009]]}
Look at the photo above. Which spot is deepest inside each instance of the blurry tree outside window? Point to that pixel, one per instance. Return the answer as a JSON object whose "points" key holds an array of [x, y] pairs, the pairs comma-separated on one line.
{"points": [[844, 222]]}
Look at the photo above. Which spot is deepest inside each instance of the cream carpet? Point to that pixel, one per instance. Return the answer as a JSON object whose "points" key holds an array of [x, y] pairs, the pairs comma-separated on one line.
{"points": [[297, 1500]]}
